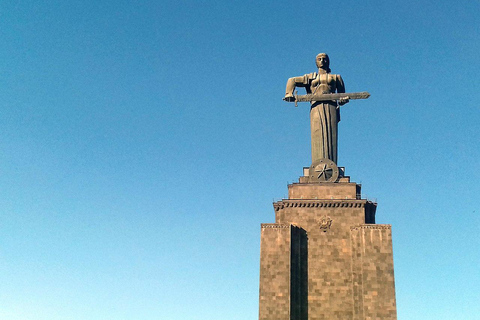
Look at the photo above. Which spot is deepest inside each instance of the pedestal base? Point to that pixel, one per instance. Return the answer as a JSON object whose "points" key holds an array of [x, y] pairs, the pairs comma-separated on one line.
{"points": [[325, 258]]}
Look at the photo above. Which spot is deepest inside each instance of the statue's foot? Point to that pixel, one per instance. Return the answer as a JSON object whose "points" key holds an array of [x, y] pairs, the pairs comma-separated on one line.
{"points": [[289, 98]]}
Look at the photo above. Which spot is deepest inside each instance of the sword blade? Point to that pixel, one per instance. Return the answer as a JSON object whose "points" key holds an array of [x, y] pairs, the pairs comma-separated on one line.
{"points": [[332, 96]]}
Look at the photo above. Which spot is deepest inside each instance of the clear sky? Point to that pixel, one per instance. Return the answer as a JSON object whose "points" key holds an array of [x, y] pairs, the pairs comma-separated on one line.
{"points": [[143, 142]]}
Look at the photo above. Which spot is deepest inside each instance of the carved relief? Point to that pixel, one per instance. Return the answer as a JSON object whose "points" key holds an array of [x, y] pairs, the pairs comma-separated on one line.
{"points": [[325, 223]]}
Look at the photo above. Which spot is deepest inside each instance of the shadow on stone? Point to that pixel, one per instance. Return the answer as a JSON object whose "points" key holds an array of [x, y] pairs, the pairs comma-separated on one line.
{"points": [[299, 274]]}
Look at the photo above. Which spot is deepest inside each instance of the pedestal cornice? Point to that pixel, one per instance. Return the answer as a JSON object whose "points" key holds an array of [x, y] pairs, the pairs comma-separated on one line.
{"points": [[321, 203]]}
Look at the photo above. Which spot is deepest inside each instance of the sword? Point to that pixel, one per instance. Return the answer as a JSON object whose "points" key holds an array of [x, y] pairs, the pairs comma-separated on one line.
{"points": [[330, 96]]}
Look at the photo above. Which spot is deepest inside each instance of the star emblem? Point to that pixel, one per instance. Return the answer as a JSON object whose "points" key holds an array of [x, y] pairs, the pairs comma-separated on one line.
{"points": [[324, 171]]}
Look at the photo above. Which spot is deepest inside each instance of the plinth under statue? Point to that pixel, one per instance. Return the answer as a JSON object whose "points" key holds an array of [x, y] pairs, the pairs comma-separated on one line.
{"points": [[324, 257]]}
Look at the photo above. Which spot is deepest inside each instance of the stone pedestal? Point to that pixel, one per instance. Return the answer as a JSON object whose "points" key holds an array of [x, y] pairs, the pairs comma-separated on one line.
{"points": [[325, 258]]}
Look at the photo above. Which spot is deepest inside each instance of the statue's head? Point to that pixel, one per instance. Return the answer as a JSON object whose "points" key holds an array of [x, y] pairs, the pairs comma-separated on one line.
{"points": [[323, 61]]}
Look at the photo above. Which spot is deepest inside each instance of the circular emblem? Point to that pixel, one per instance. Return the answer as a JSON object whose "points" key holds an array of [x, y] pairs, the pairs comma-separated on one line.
{"points": [[325, 223], [323, 170]]}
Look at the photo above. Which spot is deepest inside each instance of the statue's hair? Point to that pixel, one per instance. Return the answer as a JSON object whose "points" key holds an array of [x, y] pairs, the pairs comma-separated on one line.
{"points": [[328, 60]]}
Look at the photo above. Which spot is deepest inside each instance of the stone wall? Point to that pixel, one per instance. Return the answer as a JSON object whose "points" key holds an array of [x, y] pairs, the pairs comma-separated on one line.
{"points": [[324, 258]]}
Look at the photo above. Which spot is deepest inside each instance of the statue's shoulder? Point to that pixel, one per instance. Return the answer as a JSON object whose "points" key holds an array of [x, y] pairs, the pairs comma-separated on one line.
{"points": [[311, 76]]}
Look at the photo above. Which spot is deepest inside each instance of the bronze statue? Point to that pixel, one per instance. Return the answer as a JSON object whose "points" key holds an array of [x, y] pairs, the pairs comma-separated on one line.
{"points": [[324, 114]]}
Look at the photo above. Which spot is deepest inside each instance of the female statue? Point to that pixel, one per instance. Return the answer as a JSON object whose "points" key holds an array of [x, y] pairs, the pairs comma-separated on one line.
{"points": [[324, 115]]}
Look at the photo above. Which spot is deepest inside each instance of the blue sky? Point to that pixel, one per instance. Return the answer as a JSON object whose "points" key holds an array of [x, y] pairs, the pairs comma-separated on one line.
{"points": [[142, 145]]}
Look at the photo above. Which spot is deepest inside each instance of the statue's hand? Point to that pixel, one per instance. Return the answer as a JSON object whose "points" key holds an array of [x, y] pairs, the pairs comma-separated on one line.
{"points": [[343, 101], [289, 98]]}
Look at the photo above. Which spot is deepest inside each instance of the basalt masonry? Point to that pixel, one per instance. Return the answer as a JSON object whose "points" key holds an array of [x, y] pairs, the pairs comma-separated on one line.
{"points": [[324, 257]]}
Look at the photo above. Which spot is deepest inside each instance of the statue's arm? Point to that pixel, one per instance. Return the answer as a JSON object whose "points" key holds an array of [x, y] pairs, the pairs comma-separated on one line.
{"points": [[294, 82], [340, 85], [341, 89]]}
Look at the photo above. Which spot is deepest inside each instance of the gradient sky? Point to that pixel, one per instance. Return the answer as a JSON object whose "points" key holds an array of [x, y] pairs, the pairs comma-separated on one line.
{"points": [[143, 142]]}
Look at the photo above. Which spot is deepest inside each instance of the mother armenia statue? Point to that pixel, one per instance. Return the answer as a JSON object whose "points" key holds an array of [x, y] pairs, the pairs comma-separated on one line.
{"points": [[324, 114]]}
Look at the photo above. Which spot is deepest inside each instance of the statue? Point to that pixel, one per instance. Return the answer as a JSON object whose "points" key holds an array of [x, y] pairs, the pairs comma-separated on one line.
{"points": [[326, 92], [324, 115]]}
